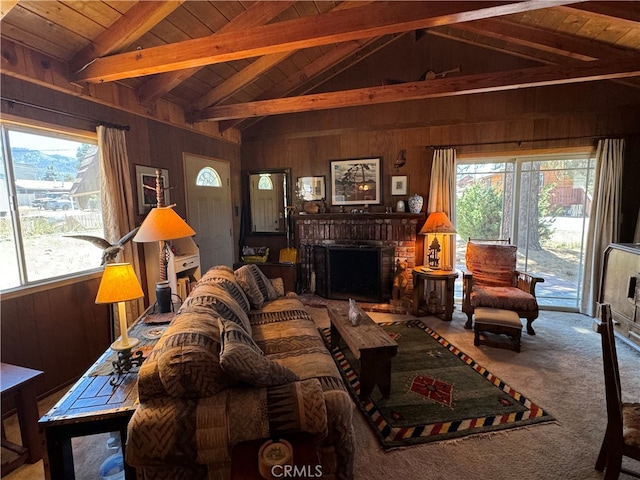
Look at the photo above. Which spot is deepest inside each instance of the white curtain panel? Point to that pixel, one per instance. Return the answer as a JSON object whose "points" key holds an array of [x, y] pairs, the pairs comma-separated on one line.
{"points": [[442, 191], [604, 224], [118, 211]]}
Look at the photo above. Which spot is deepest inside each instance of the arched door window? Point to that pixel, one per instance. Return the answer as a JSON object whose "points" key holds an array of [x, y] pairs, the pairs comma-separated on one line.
{"points": [[265, 182], [208, 177]]}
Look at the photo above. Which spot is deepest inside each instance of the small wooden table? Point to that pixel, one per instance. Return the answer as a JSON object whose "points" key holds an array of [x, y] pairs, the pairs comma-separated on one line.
{"points": [[95, 406], [20, 382], [369, 343], [423, 276]]}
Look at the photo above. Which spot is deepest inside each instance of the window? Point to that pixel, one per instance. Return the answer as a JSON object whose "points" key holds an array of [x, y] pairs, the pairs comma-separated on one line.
{"points": [[265, 182], [208, 177], [542, 204], [49, 190]]}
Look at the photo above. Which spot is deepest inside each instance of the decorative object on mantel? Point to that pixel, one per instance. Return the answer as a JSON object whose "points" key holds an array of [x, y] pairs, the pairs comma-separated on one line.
{"points": [[437, 224], [399, 185], [415, 202], [401, 160], [311, 207], [400, 206]]}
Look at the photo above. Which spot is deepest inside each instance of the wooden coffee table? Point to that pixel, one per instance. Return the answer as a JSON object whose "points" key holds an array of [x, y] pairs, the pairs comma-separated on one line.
{"points": [[370, 345]]}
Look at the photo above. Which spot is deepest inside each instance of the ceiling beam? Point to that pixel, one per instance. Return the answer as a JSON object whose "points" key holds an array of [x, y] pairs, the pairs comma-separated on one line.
{"points": [[539, 39], [338, 59], [6, 6], [625, 10], [136, 21], [251, 72], [257, 14], [378, 19], [445, 87]]}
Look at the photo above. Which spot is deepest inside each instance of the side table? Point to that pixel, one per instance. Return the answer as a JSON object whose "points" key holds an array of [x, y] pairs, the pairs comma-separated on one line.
{"points": [[19, 382], [423, 276], [93, 406]]}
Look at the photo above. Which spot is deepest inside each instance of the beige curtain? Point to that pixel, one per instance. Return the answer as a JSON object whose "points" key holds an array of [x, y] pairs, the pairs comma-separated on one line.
{"points": [[442, 196], [604, 221], [118, 202]]}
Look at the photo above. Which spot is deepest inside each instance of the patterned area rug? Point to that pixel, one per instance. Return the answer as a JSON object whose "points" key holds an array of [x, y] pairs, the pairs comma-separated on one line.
{"points": [[437, 392]]}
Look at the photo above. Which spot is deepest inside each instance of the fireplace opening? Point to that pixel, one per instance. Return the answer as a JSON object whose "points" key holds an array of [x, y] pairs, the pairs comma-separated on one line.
{"points": [[360, 271]]}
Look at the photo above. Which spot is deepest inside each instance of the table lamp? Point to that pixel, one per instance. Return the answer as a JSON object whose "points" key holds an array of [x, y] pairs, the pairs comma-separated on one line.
{"points": [[163, 224], [438, 224], [119, 284]]}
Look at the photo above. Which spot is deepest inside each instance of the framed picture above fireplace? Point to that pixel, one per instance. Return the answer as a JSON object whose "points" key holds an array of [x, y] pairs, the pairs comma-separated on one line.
{"points": [[356, 181]]}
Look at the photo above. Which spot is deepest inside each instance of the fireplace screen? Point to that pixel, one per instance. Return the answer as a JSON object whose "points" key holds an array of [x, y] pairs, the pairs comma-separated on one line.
{"points": [[363, 272]]}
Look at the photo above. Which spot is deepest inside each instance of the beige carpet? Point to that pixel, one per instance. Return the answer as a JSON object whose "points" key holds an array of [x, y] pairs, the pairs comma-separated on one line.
{"points": [[559, 368]]}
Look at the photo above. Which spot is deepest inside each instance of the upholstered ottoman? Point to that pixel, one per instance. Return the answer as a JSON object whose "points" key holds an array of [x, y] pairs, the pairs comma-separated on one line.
{"points": [[497, 321]]}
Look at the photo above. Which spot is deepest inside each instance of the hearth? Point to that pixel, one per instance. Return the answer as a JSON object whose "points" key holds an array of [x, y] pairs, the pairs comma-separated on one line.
{"points": [[362, 271]]}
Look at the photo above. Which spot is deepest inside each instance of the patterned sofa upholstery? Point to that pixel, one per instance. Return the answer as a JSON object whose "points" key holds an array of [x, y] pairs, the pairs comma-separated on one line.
{"points": [[492, 281], [239, 362]]}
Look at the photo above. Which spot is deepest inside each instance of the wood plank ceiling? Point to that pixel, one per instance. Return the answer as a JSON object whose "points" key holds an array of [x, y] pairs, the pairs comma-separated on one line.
{"points": [[235, 62]]}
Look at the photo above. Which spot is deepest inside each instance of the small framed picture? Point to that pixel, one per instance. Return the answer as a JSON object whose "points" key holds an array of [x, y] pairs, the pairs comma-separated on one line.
{"points": [[146, 180], [399, 185]]}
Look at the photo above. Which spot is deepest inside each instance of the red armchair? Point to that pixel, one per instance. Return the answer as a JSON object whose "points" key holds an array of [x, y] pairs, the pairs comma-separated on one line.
{"points": [[491, 280]]}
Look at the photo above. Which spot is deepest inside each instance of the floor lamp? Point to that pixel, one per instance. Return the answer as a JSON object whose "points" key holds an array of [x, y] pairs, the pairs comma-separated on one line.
{"points": [[161, 225]]}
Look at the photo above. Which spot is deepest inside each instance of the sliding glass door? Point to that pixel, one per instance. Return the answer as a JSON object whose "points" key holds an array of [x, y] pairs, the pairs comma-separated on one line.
{"points": [[541, 204]]}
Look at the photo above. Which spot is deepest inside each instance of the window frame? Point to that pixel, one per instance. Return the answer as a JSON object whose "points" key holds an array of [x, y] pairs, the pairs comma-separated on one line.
{"points": [[35, 127]]}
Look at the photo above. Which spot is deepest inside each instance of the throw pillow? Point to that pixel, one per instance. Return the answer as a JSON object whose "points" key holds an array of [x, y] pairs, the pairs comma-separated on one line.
{"points": [[188, 364], [242, 359], [278, 286], [223, 275], [256, 285], [220, 302]]}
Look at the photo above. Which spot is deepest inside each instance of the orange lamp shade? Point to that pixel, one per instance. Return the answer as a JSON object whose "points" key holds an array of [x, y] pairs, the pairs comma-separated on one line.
{"points": [[162, 223], [119, 284], [437, 222]]}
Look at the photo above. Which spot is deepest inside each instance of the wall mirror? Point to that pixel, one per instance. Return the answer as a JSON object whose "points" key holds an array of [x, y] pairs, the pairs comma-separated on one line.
{"points": [[268, 197], [310, 188]]}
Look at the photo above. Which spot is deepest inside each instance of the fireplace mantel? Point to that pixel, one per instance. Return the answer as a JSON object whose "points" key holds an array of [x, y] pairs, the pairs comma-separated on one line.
{"points": [[358, 216]]}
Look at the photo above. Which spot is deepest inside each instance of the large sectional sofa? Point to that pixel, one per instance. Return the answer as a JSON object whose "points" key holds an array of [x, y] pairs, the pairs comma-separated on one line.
{"points": [[240, 361]]}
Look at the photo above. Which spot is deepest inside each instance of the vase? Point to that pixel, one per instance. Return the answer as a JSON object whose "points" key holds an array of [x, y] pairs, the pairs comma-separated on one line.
{"points": [[400, 206], [415, 202]]}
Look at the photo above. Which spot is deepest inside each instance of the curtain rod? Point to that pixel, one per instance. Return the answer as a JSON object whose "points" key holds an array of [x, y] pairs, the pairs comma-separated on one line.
{"points": [[11, 101], [520, 142]]}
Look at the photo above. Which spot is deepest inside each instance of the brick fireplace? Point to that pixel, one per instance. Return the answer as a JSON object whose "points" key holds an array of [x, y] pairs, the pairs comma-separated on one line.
{"points": [[397, 230]]}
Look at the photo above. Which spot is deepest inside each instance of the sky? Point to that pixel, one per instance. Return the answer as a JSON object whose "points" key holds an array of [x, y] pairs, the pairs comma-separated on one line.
{"points": [[47, 145]]}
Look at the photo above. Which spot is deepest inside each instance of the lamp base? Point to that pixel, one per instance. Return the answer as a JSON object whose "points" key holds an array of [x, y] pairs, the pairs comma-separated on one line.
{"points": [[126, 359]]}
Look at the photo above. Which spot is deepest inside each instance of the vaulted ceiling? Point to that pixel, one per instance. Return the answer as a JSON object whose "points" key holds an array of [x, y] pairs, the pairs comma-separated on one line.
{"points": [[235, 62]]}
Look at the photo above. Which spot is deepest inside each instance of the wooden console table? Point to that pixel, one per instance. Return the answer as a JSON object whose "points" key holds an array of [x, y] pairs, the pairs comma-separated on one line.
{"points": [[94, 406], [369, 343], [422, 276], [19, 382]]}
